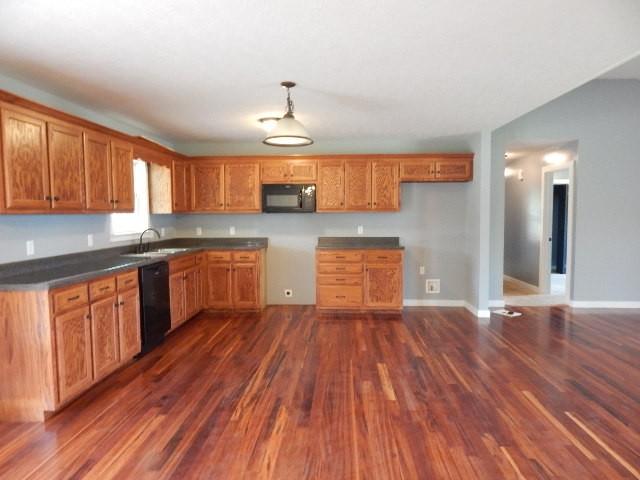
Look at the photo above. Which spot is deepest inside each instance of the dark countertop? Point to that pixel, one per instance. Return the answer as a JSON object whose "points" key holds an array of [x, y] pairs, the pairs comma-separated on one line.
{"points": [[359, 243], [53, 272]]}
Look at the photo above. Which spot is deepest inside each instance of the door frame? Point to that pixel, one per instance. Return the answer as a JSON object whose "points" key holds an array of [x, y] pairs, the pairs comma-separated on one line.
{"points": [[546, 206]]}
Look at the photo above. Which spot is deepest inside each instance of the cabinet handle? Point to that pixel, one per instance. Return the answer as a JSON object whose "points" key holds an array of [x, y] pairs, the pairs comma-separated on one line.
{"points": [[75, 297], [382, 258], [88, 317], [116, 304], [116, 201], [341, 279], [56, 199], [341, 296], [47, 198], [106, 287], [375, 203], [341, 203], [340, 269], [341, 257], [122, 303], [222, 204]]}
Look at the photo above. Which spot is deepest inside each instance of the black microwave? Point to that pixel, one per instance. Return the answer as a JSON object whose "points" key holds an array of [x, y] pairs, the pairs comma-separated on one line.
{"points": [[288, 198]]}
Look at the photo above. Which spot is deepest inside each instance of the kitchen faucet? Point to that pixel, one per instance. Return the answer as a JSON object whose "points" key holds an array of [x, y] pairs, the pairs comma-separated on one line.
{"points": [[142, 249]]}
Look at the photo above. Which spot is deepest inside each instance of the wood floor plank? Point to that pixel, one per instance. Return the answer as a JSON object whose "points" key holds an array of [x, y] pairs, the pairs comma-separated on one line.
{"points": [[294, 393]]}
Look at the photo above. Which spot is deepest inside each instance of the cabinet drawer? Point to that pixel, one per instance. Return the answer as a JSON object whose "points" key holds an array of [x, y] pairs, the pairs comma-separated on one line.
{"points": [[219, 257], [182, 263], [339, 279], [339, 256], [128, 280], [69, 298], [340, 268], [384, 256], [102, 288], [245, 256], [339, 296]]}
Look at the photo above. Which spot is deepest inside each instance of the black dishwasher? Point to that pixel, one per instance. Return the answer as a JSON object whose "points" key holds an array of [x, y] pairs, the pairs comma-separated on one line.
{"points": [[155, 311]]}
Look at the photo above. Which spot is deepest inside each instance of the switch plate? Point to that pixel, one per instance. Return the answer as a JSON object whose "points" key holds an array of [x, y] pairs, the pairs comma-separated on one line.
{"points": [[90, 240], [232, 230], [199, 231], [421, 269], [432, 285], [288, 292], [31, 249], [360, 229]]}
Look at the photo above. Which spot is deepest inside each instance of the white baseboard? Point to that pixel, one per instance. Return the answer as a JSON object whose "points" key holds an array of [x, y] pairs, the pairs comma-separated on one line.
{"points": [[600, 304], [522, 283], [496, 303], [411, 302]]}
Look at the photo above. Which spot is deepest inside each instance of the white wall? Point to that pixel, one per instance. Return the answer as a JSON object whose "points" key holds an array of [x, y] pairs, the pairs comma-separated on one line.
{"points": [[603, 116]]}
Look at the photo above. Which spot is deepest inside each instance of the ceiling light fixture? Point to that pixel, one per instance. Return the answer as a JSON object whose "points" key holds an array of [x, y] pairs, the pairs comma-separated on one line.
{"points": [[288, 131], [268, 123]]}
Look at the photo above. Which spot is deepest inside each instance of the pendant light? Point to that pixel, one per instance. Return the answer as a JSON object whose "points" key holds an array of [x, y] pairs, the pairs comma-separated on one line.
{"points": [[288, 132]]}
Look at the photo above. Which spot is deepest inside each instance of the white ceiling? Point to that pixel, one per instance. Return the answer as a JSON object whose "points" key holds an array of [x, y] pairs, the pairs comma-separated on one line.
{"points": [[199, 70]]}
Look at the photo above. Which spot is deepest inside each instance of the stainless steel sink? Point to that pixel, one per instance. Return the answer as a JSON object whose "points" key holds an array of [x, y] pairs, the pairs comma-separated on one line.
{"points": [[147, 254], [171, 250]]}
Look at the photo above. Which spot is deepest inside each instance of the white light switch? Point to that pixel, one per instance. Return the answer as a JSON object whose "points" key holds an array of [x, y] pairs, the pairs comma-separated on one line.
{"points": [[198, 231], [90, 240], [421, 269], [360, 229], [232, 230], [31, 249]]}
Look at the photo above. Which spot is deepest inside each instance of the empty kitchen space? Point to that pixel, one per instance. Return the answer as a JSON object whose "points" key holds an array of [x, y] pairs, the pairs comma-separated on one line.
{"points": [[368, 241]]}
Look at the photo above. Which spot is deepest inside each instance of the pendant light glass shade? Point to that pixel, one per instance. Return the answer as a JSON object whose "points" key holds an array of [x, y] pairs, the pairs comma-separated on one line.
{"points": [[288, 132]]}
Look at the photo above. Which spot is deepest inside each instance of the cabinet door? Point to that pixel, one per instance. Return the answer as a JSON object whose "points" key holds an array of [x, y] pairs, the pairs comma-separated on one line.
{"points": [[97, 172], [454, 170], [73, 352], [104, 336], [26, 168], [417, 170], [383, 286], [330, 193], [207, 180], [66, 166], [176, 298], [386, 186], [275, 171], [181, 187], [242, 187], [122, 175], [357, 184], [129, 324], [302, 171], [219, 285], [191, 292], [245, 285]]}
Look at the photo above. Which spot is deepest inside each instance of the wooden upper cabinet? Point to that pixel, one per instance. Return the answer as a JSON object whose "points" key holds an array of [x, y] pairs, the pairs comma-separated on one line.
{"points": [[454, 169], [383, 286], [66, 166], [97, 171], [331, 186], [417, 170], [181, 187], [104, 337], [129, 324], [122, 175], [357, 184], [386, 185], [207, 182], [26, 166], [242, 187], [289, 171], [73, 352]]}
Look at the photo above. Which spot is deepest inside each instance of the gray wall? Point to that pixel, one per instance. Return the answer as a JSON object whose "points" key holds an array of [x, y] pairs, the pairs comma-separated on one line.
{"points": [[603, 116]]}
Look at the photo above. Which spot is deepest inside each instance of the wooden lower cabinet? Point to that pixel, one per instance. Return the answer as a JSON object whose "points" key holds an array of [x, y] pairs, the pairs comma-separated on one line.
{"points": [[129, 323], [236, 280], [105, 336], [359, 279], [186, 288]]}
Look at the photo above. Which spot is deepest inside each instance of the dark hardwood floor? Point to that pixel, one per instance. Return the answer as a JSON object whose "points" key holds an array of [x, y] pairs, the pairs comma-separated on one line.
{"points": [[295, 394]]}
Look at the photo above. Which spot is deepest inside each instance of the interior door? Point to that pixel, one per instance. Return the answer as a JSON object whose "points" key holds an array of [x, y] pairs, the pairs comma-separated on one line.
{"points": [[207, 180], [97, 172], [242, 187], [26, 167], [104, 336], [331, 186], [386, 185], [129, 324], [219, 285], [245, 285], [122, 175], [73, 352], [66, 166], [357, 184]]}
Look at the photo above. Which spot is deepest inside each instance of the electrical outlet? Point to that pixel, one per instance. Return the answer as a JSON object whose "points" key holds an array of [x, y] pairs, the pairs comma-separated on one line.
{"points": [[432, 285], [360, 229], [90, 240], [199, 231], [163, 231], [31, 249], [421, 269], [232, 230], [288, 292]]}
